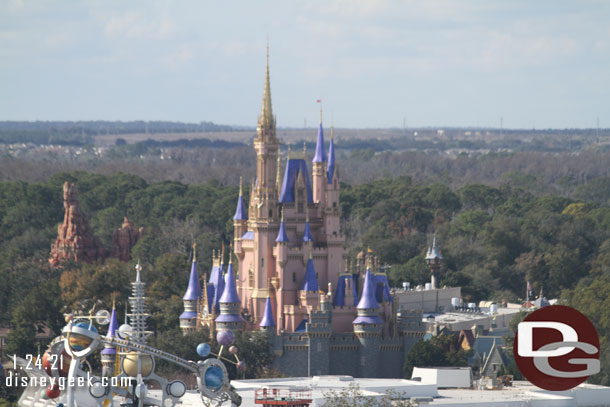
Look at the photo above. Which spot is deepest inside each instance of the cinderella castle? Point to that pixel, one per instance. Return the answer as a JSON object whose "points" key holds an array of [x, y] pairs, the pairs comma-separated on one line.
{"points": [[292, 278]]}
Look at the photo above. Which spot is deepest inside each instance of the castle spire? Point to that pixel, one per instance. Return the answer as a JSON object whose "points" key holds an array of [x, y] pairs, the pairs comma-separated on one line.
{"points": [[268, 320], [310, 283], [330, 169], [266, 118], [282, 236], [307, 237], [320, 156], [193, 291], [240, 211]]}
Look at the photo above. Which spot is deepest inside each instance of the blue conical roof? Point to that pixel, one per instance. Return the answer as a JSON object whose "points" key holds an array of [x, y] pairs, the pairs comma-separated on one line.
{"points": [[112, 328], [368, 300], [330, 170], [307, 233], [282, 236], [113, 325], [311, 281], [217, 280], [268, 319], [240, 212], [339, 297], [193, 291], [229, 295], [320, 155]]}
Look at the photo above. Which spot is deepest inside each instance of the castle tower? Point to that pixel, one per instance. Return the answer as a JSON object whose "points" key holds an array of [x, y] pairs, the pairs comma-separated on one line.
{"points": [[109, 351], [191, 299], [267, 147], [434, 259], [240, 219], [319, 167], [138, 315], [263, 216], [230, 305], [367, 328]]}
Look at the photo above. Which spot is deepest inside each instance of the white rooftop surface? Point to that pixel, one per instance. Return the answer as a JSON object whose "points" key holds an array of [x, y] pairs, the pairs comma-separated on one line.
{"points": [[520, 394], [525, 394], [455, 316]]}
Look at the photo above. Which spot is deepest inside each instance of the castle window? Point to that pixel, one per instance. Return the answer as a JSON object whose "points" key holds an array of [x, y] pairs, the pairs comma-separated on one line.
{"points": [[294, 277], [262, 262], [270, 213], [251, 277], [334, 204], [300, 207]]}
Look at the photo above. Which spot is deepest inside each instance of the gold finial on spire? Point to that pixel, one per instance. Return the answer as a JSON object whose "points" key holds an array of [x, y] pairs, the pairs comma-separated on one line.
{"points": [[194, 252], [241, 186], [310, 253], [113, 295], [288, 155], [332, 131], [304, 150], [222, 254], [282, 214], [231, 253]]}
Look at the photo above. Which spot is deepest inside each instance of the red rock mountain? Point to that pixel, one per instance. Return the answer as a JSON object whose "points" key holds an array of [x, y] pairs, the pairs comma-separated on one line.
{"points": [[75, 239], [124, 238]]}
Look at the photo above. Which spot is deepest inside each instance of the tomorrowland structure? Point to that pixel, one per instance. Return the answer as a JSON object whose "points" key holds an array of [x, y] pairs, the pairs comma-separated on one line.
{"points": [[292, 277]]}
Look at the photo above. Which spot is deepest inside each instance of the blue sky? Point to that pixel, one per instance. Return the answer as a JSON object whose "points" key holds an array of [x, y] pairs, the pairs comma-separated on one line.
{"points": [[374, 63]]}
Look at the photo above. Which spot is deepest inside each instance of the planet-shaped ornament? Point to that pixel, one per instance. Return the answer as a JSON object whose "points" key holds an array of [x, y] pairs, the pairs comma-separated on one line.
{"points": [[130, 364], [203, 350], [225, 338], [53, 391], [233, 349], [213, 378], [80, 342], [241, 365]]}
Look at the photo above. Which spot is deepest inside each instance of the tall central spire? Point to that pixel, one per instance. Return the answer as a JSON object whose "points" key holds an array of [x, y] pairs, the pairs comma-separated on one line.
{"points": [[266, 124]]}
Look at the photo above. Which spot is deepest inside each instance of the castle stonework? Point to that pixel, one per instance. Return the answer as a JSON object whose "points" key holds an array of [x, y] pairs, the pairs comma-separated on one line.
{"points": [[75, 239], [292, 280]]}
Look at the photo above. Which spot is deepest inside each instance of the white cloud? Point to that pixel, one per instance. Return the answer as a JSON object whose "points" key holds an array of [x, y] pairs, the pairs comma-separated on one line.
{"points": [[138, 26]]}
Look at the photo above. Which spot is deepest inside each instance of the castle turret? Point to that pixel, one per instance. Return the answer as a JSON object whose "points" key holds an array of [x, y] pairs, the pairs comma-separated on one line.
{"points": [[330, 168], [109, 351], [310, 290], [434, 259], [282, 236], [230, 305], [307, 237], [268, 322], [319, 167], [240, 219], [192, 296], [368, 327]]}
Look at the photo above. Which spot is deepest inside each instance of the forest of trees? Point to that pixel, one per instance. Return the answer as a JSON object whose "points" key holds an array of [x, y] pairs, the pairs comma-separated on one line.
{"points": [[493, 238]]}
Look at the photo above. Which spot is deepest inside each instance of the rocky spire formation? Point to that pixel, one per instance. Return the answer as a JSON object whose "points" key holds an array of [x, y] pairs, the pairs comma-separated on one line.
{"points": [[124, 238], [75, 239]]}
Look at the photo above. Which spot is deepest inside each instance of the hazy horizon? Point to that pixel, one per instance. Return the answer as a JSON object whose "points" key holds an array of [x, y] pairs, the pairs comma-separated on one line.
{"points": [[375, 64]]}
